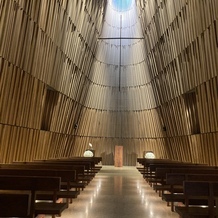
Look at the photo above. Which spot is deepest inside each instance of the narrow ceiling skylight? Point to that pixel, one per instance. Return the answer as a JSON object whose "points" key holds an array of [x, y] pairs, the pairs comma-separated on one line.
{"points": [[122, 5]]}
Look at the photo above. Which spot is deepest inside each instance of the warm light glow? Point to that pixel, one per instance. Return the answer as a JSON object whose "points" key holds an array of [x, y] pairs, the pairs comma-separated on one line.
{"points": [[93, 195], [88, 153], [120, 61], [149, 155]]}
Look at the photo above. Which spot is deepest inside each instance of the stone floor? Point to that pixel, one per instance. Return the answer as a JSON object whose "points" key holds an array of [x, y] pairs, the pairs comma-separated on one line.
{"points": [[116, 193]]}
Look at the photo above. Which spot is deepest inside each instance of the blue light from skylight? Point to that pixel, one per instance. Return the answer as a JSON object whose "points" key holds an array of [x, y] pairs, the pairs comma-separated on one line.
{"points": [[122, 5]]}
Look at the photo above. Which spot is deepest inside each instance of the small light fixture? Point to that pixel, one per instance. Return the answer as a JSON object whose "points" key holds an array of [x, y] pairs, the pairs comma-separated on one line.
{"points": [[75, 126], [149, 155], [88, 153]]}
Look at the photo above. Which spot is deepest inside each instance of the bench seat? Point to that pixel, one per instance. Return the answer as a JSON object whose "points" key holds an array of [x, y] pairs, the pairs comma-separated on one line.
{"points": [[60, 194], [198, 190], [34, 184], [50, 208], [19, 204], [76, 185], [181, 198], [177, 179], [192, 212], [174, 197], [178, 189]]}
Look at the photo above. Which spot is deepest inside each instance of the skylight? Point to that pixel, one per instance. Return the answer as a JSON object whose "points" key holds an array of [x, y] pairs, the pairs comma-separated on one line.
{"points": [[122, 5]]}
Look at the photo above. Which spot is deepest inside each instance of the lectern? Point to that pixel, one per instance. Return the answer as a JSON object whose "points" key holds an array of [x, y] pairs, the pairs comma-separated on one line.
{"points": [[118, 156]]}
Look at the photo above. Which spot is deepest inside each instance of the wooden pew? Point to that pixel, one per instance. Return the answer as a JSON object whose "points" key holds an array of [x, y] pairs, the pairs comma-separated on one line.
{"points": [[19, 204], [17, 184], [161, 173], [88, 173], [67, 176], [92, 168], [149, 167], [153, 167], [199, 190], [96, 160], [147, 162], [92, 160], [159, 176], [78, 184], [177, 179]]}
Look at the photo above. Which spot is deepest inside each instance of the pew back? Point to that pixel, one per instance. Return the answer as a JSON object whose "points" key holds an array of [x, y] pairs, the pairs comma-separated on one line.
{"points": [[17, 184]]}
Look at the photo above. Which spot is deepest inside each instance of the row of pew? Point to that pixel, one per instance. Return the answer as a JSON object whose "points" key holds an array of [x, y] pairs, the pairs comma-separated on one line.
{"points": [[190, 189], [29, 189]]}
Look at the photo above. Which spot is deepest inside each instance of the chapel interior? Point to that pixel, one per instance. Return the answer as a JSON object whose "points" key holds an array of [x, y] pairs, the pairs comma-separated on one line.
{"points": [[80, 75]]}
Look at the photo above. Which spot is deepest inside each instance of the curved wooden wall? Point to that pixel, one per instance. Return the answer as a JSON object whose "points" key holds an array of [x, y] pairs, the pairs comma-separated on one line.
{"points": [[56, 98], [46, 51], [182, 52]]}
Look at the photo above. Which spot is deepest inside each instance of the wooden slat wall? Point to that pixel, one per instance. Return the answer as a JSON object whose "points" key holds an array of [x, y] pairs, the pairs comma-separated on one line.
{"points": [[45, 47], [181, 40], [48, 49], [181, 57]]}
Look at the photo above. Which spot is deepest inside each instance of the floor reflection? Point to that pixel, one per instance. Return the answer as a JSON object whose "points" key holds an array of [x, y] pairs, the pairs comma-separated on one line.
{"points": [[118, 183], [118, 193]]}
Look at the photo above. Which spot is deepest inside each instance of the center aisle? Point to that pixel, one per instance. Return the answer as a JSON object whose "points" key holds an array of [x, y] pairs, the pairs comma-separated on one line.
{"points": [[116, 193]]}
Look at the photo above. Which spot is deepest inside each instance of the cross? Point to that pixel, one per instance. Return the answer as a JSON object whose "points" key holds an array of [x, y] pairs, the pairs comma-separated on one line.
{"points": [[120, 38]]}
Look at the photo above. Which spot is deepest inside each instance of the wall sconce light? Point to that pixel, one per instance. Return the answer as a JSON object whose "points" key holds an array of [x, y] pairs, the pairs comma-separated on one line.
{"points": [[164, 128]]}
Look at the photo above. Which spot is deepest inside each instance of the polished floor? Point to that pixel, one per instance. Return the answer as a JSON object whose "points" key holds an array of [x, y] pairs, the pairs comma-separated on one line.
{"points": [[118, 193]]}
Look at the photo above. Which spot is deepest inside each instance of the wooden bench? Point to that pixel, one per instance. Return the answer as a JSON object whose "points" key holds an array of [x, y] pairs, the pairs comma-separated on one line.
{"points": [[159, 176], [177, 179], [19, 185], [86, 175], [91, 160], [199, 190], [19, 204], [195, 169], [95, 160], [67, 176], [78, 184], [145, 162], [145, 170], [151, 168], [161, 173]]}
